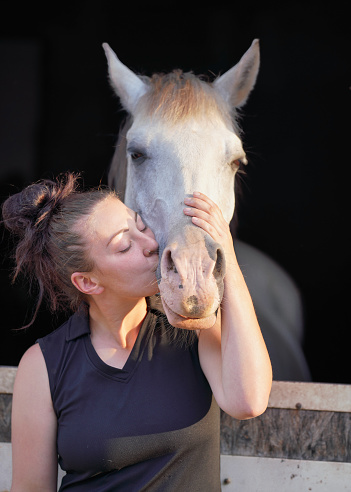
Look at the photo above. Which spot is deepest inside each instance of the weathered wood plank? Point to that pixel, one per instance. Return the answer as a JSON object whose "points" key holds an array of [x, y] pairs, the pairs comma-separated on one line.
{"points": [[7, 379], [249, 474], [5, 467], [310, 396], [310, 421], [284, 394], [289, 434], [245, 474], [5, 417]]}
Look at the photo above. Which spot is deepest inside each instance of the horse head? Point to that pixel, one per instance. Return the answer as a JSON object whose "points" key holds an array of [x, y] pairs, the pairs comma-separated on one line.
{"points": [[181, 136]]}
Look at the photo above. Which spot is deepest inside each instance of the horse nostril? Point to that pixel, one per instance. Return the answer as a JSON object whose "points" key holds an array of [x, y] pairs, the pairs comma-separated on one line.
{"points": [[169, 262], [219, 268], [216, 253]]}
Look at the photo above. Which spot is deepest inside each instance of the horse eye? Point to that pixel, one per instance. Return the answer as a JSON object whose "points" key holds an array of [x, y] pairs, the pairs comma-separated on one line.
{"points": [[236, 163], [137, 157]]}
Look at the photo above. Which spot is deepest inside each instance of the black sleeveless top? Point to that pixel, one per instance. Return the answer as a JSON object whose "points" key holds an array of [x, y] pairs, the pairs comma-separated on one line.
{"points": [[151, 426]]}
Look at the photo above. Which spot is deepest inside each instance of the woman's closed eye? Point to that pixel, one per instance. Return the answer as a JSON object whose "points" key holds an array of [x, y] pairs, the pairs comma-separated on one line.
{"points": [[141, 228], [125, 249]]}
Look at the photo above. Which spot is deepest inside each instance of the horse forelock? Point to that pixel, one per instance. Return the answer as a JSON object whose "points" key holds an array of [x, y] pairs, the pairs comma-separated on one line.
{"points": [[178, 95]]}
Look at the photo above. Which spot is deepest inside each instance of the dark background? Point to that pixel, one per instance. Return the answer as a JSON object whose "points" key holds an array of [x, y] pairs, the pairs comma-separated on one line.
{"points": [[58, 113]]}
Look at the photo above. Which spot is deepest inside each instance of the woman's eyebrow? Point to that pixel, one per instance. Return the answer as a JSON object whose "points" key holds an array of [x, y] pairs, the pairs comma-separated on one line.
{"points": [[121, 230], [116, 234]]}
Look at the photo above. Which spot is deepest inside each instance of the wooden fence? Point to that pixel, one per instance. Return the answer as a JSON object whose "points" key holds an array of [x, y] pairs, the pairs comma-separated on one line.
{"points": [[301, 443]]}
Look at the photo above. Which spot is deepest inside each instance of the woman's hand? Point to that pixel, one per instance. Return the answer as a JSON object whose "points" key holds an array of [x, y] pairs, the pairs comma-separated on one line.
{"points": [[207, 215]]}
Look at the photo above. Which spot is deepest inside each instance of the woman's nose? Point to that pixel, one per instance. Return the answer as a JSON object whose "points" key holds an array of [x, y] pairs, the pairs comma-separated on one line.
{"points": [[149, 252], [152, 248]]}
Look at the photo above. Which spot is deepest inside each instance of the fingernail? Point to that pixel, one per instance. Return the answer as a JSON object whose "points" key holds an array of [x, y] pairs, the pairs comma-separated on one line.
{"points": [[187, 210], [196, 193]]}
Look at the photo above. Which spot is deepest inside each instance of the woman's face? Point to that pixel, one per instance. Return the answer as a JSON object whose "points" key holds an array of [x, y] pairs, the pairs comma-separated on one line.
{"points": [[124, 251]]}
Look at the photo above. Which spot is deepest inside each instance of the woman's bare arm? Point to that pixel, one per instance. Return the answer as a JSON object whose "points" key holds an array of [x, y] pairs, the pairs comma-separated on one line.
{"points": [[34, 424]]}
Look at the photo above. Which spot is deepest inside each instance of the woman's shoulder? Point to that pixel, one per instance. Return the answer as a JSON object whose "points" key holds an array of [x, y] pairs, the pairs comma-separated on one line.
{"points": [[31, 369], [32, 366], [32, 357]]}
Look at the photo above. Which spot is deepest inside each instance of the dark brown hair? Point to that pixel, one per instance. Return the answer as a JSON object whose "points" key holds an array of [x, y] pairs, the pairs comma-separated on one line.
{"points": [[45, 219]]}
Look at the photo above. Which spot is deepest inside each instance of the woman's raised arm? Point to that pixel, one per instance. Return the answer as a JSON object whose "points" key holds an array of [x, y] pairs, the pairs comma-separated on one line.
{"points": [[233, 353]]}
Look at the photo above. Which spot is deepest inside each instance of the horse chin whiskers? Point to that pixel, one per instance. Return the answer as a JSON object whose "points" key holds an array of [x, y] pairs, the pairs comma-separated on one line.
{"points": [[152, 283]]}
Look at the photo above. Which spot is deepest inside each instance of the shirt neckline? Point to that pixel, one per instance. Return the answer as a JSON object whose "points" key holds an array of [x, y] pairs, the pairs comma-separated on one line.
{"points": [[134, 357]]}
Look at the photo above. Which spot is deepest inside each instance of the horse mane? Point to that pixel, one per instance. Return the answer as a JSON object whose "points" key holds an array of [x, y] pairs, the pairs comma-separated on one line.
{"points": [[174, 96], [177, 95], [117, 175]]}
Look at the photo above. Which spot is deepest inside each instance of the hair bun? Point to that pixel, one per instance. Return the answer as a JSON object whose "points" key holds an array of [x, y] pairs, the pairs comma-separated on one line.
{"points": [[33, 207]]}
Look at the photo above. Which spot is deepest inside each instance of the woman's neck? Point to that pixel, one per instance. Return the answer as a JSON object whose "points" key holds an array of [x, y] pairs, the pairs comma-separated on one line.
{"points": [[116, 323]]}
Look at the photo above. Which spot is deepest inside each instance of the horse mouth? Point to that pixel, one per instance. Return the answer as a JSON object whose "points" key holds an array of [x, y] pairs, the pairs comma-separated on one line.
{"points": [[180, 321]]}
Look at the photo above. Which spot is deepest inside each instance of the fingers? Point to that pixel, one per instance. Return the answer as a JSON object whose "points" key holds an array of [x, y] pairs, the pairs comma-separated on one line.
{"points": [[203, 207], [206, 214], [201, 201]]}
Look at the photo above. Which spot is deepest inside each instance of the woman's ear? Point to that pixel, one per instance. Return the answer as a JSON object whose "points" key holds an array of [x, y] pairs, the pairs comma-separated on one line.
{"points": [[86, 284]]}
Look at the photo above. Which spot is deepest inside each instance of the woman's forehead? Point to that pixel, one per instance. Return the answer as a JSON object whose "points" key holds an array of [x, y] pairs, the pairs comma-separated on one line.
{"points": [[111, 214]]}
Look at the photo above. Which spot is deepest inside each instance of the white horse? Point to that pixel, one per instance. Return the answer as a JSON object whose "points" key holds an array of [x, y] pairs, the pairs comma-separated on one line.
{"points": [[181, 136]]}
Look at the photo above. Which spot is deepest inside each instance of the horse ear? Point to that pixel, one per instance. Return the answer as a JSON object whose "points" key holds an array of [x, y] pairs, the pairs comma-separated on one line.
{"points": [[127, 85], [236, 84]]}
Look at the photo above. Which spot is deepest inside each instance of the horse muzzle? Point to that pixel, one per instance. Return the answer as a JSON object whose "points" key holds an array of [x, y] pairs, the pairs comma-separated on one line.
{"points": [[191, 287]]}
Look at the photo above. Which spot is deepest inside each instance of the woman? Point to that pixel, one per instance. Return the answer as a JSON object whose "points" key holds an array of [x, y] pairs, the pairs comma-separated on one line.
{"points": [[115, 395]]}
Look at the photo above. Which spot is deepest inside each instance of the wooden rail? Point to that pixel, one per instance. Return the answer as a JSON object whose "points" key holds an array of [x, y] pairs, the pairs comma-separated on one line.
{"points": [[301, 443]]}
